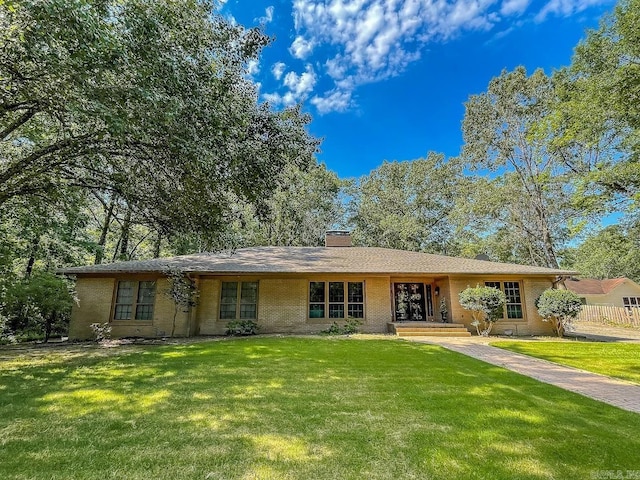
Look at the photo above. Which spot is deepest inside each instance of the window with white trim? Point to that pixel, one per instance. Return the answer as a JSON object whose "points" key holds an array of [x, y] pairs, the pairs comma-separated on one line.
{"points": [[336, 300], [631, 302]]}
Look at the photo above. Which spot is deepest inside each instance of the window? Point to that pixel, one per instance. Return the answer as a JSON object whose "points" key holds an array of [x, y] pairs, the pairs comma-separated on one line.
{"points": [[513, 307], [335, 299], [239, 300], [631, 302], [134, 300]]}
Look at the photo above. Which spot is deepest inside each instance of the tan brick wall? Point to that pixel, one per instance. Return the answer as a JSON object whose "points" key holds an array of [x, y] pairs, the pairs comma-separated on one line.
{"points": [[530, 290], [95, 306], [283, 304]]}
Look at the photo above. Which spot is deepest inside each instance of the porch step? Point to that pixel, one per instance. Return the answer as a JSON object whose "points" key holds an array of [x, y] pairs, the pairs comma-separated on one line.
{"points": [[427, 329]]}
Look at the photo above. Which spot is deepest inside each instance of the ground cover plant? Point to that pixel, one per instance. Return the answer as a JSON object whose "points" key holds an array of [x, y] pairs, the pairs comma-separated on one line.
{"points": [[278, 408], [621, 360]]}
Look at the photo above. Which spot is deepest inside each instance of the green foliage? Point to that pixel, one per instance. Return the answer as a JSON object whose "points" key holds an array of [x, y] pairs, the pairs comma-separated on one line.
{"points": [[560, 307], [522, 213], [182, 291], [599, 93], [486, 305], [350, 327], [612, 252], [40, 304], [242, 328], [407, 205]]}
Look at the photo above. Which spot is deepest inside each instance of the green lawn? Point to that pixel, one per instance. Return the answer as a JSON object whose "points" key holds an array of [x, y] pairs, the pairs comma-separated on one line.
{"points": [[621, 360], [303, 408]]}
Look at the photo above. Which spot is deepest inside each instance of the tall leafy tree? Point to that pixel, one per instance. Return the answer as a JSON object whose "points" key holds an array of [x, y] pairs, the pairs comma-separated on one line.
{"points": [[407, 205], [506, 132], [149, 100], [600, 105]]}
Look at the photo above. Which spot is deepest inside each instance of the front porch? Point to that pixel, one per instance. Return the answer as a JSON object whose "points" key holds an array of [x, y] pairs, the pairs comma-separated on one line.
{"points": [[428, 329]]}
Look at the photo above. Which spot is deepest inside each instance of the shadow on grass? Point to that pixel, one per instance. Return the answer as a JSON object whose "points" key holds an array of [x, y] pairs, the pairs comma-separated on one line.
{"points": [[297, 408]]}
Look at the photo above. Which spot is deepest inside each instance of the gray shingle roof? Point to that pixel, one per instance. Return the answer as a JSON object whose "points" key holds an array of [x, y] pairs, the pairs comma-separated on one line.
{"points": [[317, 260]]}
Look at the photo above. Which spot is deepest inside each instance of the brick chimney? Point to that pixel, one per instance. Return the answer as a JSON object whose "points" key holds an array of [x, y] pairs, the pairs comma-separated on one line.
{"points": [[337, 238]]}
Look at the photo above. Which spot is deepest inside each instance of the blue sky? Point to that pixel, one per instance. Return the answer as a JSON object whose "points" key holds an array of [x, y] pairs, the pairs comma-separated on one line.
{"points": [[387, 79]]}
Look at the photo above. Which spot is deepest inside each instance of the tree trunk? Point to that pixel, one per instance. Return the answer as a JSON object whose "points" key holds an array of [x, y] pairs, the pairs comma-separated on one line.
{"points": [[105, 230], [156, 246], [124, 237], [32, 256]]}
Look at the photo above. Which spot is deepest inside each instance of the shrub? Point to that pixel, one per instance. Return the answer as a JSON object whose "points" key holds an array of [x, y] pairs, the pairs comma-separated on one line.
{"points": [[242, 327], [101, 331], [560, 307], [351, 326], [486, 305]]}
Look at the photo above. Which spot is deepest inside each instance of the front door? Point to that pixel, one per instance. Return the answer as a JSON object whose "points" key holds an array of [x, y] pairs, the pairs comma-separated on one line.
{"points": [[410, 302]]}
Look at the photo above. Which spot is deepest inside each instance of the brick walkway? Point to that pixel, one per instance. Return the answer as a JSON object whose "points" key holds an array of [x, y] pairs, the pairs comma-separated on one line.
{"points": [[599, 387]]}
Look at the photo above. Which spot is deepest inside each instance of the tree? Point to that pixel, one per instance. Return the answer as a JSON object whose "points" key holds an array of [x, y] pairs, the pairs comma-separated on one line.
{"points": [[182, 291], [40, 303], [486, 305], [600, 95], [149, 100], [407, 205], [612, 252], [560, 307], [506, 130]]}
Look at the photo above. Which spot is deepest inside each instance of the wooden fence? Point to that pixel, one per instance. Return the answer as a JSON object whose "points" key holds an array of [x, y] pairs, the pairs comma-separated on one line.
{"points": [[607, 314]]}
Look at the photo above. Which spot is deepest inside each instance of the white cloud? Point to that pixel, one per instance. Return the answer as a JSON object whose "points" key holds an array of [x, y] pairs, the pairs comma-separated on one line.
{"points": [[277, 69], [268, 16], [298, 88], [334, 101], [253, 66], [363, 41], [514, 7], [565, 8], [301, 48]]}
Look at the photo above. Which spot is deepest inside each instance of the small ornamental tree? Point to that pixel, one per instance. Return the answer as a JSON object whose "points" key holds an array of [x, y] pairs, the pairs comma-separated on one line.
{"points": [[486, 305], [560, 307], [183, 291]]}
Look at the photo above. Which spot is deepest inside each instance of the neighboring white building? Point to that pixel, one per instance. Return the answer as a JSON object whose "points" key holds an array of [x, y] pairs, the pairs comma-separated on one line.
{"points": [[618, 292]]}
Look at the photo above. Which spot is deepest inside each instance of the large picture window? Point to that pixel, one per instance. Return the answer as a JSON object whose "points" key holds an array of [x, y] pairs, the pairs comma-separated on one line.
{"points": [[336, 300], [513, 307], [134, 300], [239, 300]]}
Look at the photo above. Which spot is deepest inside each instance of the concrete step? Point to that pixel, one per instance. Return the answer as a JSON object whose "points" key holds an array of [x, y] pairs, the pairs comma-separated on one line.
{"points": [[429, 333]]}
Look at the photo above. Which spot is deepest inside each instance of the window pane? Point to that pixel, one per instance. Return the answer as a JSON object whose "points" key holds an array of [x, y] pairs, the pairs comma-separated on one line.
{"points": [[514, 311], [356, 310], [248, 311], [144, 312], [249, 293], [493, 284], [336, 310], [227, 311], [229, 292], [316, 310], [122, 312], [316, 292], [146, 292], [336, 292], [125, 292], [512, 292], [625, 301], [356, 292]]}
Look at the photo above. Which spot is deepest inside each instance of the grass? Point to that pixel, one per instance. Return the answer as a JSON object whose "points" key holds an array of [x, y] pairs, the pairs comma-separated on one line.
{"points": [[621, 360], [296, 408]]}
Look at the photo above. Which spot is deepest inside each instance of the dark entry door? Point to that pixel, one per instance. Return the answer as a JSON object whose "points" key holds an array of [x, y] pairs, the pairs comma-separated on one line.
{"points": [[409, 302]]}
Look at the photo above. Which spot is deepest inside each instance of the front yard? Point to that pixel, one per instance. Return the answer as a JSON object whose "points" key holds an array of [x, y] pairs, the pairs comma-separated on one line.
{"points": [[304, 408], [621, 360]]}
